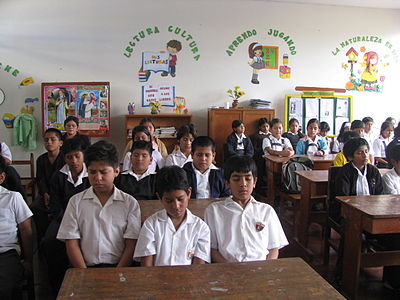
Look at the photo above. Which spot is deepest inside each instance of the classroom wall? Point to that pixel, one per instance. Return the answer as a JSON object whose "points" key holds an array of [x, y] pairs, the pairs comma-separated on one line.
{"points": [[54, 40]]}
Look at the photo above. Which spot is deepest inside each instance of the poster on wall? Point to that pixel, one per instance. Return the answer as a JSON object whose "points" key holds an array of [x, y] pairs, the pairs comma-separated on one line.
{"points": [[88, 101], [163, 93]]}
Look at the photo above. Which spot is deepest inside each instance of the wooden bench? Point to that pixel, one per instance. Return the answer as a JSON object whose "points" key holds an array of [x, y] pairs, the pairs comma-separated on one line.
{"points": [[28, 182]]}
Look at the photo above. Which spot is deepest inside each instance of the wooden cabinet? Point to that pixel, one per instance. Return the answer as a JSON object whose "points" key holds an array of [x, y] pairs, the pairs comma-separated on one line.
{"points": [[220, 124], [161, 120]]}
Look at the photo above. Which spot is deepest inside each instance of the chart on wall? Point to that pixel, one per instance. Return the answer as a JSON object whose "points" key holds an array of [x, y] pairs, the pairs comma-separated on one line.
{"points": [[88, 101]]}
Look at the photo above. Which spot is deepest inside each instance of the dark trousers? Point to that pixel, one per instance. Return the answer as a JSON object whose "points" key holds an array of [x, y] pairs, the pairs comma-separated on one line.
{"points": [[40, 216], [11, 275]]}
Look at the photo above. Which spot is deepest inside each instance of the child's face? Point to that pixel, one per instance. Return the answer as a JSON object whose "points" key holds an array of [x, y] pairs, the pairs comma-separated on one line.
{"points": [[361, 156], [141, 136], [150, 127], [74, 160], [203, 158], [368, 126], [52, 142], [2, 177], [264, 127], [172, 50], [175, 203], [360, 131], [276, 130], [140, 160], [387, 132], [71, 128], [294, 127], [101, 176], [312, 130], [258, 52], [241, 185], [185, 142], [240, 129], [324, 133]]}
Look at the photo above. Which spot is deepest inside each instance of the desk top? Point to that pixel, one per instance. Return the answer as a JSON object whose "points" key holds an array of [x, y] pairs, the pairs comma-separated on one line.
{"points": [[322, 175], [196, 206], [283, 159], [376, 207], [287, 278]]}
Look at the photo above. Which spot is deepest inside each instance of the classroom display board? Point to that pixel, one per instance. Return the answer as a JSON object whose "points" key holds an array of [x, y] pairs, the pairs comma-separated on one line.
{"points": [[88, 101], [334, 110]]}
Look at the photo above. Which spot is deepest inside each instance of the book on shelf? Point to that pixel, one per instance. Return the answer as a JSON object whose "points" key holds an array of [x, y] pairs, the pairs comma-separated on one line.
{"points": [[260, 103], [165, 131]]}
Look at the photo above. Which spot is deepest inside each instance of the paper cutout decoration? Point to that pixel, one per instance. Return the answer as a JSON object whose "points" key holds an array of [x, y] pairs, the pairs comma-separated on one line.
{"points": [[31, 100], [180, 104], [164, 93], [27, 110], [173, 47], [262, 57], [8, 120], [26, 81], [284, 71]]}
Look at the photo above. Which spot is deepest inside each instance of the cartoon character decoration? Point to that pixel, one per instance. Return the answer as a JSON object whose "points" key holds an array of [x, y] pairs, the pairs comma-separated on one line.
{"points": [[256, 60], [8, 120], [370, 75], [180, 104], [173, 47], [284, 71]]}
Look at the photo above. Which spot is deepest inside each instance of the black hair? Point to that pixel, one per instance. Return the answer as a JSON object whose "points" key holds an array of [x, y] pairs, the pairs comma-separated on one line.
{"points": [[385, 125], [357, 124], [347, 135], [390, 119], [324, 126], [341, 132], [171, 179], [186, 130], [262, 121], [236, 123], [352, 145], [104, 152], [74, 144], [275, 121], [367, 119], [3, 164], [397, 130], [240, 164], [393, 152], [312, 121], [141, 128], [203, 141], [56, 132], [71, 118], [143, 145], [147, 120], [292, 120]]}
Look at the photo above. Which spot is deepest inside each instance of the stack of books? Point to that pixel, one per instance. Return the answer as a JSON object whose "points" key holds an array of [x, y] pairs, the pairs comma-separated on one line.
{"points": [[165, 131], [260, 103]]}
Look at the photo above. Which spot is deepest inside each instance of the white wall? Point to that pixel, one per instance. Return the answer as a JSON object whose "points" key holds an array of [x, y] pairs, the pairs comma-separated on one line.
{"points": [[54, 40]]}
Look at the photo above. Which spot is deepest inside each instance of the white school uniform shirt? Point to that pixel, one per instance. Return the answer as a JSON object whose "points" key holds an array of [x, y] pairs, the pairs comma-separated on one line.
{"points": [[337, 146], [313, 145], [177, 158], [13, 211], [240, 145], [158, 160], [379, 146], [362, 187], [65, 170], [174, 247], [102, 230], [276, 144], [391, 183], [252, 231], [138, 176], [5, 151], [203, 185]]}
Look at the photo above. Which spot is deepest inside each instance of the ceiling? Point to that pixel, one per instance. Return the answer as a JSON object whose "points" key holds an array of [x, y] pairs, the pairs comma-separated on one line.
{"points": [[393, 4]]}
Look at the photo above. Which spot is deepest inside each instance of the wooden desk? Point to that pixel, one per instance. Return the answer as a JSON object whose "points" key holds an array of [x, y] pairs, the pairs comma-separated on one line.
{"points": [[287, 278], [274, 170], [196, 206], [376, 215]]}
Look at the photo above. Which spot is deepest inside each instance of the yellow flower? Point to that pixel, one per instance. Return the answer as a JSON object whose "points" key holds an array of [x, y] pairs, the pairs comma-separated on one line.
{"points": [[236, 87], [229, 91]]}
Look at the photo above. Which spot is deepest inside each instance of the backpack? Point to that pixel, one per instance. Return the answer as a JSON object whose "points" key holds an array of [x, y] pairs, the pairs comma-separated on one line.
{"points": [[308, 144], [290, 178]]}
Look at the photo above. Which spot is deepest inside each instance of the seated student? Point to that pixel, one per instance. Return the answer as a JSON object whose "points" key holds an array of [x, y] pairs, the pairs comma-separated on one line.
{"points": [[237, 143], [294, 134], [323, 132], [340, 159], [141, 133], [6, 153], [12, 182], [71, 125], [254, 231], [101, 224], [173, 236], [205, 179], [71, 179], [139, 181], [338, 143], [391, 120], [47, 165], [14, 213], [258, 137], [275, 144], [180, 156], [391, 180], [312, 144], [380, 145], [359, 127], [368, 132]]}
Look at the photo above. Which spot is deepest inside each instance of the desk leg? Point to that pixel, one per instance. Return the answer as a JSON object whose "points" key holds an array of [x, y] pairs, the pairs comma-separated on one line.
{"points": [[303, 214], [352, 251]]}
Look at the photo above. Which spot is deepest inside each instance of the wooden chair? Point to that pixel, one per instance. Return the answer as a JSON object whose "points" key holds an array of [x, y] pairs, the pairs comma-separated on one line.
{"points": [[28, 182]]}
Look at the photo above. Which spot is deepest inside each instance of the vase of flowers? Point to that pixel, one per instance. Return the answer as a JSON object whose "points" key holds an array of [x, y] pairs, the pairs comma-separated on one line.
{"points": [[235, 93], [155, 107]]}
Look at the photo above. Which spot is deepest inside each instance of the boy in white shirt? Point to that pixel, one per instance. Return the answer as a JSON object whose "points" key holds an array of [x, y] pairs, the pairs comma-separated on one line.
{"points": [[275, 144], [101, 224], [254, 231], [173, 236]]}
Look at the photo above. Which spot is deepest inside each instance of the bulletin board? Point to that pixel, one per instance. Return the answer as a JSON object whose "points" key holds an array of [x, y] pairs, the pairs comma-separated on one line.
{"points": [[333, 109], [270, 56], [88, 101]]}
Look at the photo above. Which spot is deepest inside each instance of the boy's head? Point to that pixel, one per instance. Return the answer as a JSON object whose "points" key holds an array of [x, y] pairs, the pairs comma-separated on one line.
{"points": [[74, 154], [102, 163], [174, 46], [263, 125], [276, 127], [238, 126], [173, 190], [240, 173], [141, 133], [141, 156], [393, 155], [203, 152], [347, 135], [368, 122], [358, 126], [185, 136], [3, 167], [357, 151], [71, 125], [324, 129], [52, 139]]}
